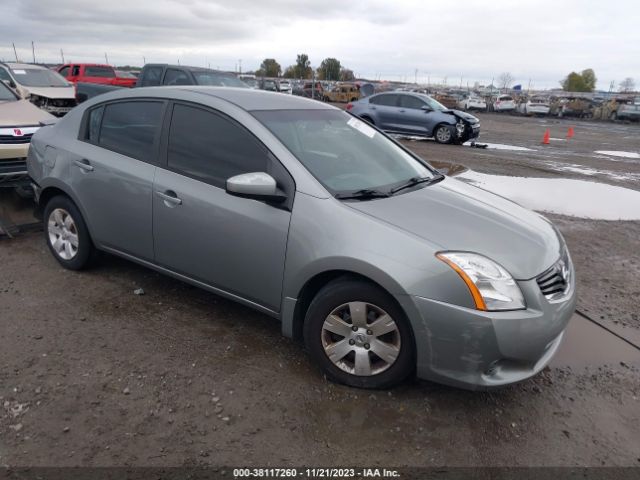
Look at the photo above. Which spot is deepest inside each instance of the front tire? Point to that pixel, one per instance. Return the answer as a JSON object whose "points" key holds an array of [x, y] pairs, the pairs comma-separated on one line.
{"points": [[358, 335], [66, 234], [444, 134]]}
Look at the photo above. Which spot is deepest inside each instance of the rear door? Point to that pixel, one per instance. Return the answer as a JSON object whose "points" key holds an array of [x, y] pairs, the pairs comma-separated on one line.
{"points": [[234, 244], [385, 110], [112, 173], [102, 74]]}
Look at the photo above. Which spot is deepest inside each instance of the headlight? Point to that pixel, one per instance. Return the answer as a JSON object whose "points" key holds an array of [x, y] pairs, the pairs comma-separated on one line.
{"points": [[491, 286]]}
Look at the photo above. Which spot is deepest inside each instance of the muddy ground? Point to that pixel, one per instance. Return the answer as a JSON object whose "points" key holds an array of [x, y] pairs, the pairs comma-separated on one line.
{"points": [[92, 374]]}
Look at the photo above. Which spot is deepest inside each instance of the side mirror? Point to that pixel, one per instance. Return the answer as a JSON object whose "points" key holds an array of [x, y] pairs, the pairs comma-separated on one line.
{"points": [[256, 185], [426, 108]]}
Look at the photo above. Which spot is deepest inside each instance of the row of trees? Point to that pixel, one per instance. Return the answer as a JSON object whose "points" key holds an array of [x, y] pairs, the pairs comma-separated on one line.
{"points": [[329, 69], [584, 81]]}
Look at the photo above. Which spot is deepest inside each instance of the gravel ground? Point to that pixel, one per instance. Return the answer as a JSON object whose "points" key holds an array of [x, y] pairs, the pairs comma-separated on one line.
{"points": [[95, 375]]}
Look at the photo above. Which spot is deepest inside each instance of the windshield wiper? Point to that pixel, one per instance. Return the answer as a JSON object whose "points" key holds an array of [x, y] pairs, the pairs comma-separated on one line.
{"points": [[416, 181], [364, 194]]}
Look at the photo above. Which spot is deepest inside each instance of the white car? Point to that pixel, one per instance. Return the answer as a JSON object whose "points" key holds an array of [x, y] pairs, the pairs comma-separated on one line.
{"points": [[472, 102], [286, 87], [535, 106], [43, 87], [504, 103]]}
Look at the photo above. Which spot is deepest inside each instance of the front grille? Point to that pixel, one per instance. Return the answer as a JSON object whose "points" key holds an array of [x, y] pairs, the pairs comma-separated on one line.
{"points": [[556, 281], [12, 140]]}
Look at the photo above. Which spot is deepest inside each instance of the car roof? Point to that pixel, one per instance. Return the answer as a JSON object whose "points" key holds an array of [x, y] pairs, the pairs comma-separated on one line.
{"points": [[186, 67], [245, 98]]}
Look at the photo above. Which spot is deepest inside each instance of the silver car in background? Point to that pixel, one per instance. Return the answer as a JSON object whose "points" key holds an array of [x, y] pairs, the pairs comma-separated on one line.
{"points": [[382, 265]]}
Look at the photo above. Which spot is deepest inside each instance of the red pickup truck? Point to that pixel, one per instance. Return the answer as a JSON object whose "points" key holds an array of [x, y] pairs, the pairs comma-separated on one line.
{"points": [[94, 73]]}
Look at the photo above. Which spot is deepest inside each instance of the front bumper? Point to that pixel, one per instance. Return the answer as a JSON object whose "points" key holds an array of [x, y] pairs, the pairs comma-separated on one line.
{"points": [[479, 350], [11, 151]]}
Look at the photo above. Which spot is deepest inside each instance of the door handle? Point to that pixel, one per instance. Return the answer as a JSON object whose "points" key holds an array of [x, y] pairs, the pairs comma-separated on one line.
{"points": [[84, 165], [401, 110], [170, 198], [373, 108]]}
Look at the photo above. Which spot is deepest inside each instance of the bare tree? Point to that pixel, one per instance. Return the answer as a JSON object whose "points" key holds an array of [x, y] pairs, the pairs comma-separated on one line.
{"points": [[505, 80], [628, 85]]}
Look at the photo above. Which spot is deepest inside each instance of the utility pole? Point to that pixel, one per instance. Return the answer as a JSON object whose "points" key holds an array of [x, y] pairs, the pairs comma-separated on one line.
{"points": [[33, 51], [240, 66], [106, 59], [15, 52], [62, 55], [144, 60], [415, 76]]}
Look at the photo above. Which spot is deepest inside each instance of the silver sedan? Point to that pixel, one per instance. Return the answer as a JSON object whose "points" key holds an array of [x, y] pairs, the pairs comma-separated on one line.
{"points": [[383, 266]]}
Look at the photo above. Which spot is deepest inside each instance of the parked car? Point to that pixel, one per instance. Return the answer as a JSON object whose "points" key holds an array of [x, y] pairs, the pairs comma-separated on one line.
{"points": [[310, 90], [534, 106], [627, 111], [381, 264], [417, 114], [342, 93], [154, 74], [94, 73], [286, 87], [168, 75], [504, 103], [270, 85], [19, 120], [579, 107], [446, 99], [43, 87], [472, 102]]}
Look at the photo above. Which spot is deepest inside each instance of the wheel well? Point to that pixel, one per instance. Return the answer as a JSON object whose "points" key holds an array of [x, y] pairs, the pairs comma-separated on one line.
{"points": [[310, 290], [47, 194]]}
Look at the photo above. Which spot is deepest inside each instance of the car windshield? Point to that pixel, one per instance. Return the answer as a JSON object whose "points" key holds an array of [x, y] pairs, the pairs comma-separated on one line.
{"points": [[433, 103], [38, 77], [5, 94], [345, 154], [218, 80]]}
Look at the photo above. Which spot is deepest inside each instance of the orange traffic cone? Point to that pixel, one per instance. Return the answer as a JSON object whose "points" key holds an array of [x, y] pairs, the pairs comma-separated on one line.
{"points": [[570, 132], [545, 138]]}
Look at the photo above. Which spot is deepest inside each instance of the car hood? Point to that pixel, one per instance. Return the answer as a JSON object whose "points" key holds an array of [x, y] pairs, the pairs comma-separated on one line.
{"points": [[22, 113], [464, 115], [454, 215], [53, 92]]}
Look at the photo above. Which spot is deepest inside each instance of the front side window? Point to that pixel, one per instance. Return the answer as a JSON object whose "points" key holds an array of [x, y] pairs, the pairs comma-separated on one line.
{"points": [[176, 77], [98, 71], [64, 71], [342, 152], [6, 95], [130, 128], [4, 75], [409, 101], [211, 147], [151, 76]]}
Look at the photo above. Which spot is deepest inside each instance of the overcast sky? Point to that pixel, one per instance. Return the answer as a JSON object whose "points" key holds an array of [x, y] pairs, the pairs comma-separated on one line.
{"points": [[536, 40]]}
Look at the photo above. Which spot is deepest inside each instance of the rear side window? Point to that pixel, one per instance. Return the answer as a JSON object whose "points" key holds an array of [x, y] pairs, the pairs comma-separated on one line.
{"points": [[151, 76], [96, 71], [409, 101], [93, 128], [211, 147], [176, 77], [388, 100], [130, 128]]}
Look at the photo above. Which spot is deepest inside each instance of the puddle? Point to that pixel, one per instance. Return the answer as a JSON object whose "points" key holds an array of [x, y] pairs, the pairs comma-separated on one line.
{"points": [[615, 153], [576, 198], [501, 146], [586, 345]]}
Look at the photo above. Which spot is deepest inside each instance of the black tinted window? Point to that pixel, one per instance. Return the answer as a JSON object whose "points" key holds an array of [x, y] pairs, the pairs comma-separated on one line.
{"points": [[408, 101], [97, 71], [151, 76], [176, 77], [386, 99], [130, 128], [211, 147], [64, 71]]}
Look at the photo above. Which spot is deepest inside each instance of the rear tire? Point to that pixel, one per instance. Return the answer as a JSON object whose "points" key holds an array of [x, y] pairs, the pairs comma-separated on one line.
{"points": [[348, 303], [66, 234]]}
